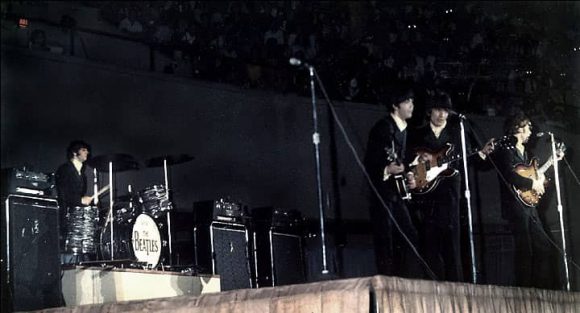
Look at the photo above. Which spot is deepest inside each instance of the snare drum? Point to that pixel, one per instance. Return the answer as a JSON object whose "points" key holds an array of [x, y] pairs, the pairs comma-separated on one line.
{"points": [[155, 201], [81, 230], [140, 241]]}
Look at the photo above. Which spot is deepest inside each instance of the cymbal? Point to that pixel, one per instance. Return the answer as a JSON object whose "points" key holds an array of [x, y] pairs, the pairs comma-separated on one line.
{"points": [[121, 162], [171, 160]]}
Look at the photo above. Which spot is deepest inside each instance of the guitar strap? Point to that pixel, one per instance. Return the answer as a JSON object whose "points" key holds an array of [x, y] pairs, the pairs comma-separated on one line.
{"points": [[403, 143]]}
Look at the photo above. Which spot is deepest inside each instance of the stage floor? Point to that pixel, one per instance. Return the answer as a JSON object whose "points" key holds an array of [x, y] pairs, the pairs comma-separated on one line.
{"points": [[94, 285]]}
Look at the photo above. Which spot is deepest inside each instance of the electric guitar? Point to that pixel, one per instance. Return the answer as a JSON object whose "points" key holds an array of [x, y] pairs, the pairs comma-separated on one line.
{"points": [[428, 174], [530, 197]]}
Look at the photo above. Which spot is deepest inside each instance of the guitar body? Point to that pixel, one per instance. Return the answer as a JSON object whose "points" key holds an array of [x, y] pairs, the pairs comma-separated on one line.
{"points": [[528, 196], [428, 174]]}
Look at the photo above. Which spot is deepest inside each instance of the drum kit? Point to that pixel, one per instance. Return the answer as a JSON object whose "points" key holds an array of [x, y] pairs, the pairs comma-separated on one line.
{"points": [[135, 223]]}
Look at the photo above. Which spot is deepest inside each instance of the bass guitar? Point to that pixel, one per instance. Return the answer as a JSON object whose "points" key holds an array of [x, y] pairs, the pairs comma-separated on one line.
{"points": [[430, 167], [530, 197], [398, 180]]}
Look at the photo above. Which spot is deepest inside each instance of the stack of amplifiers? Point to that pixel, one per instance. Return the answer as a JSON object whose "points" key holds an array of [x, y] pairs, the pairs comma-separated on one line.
{"points": [[25, 182], [277, 243], [30, 253], [220, 239]]}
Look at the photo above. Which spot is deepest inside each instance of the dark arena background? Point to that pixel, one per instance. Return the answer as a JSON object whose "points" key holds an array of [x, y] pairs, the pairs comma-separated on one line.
{"points": [[208, 88]]}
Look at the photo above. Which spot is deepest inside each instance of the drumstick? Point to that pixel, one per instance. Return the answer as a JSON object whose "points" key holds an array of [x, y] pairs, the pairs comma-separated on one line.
{"points": [[104, 189]]}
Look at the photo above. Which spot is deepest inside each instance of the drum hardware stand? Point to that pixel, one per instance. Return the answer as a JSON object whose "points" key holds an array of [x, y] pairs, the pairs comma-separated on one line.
{"points": [[110, 217], [468, 200], [560, 209], [168, 211], [95, 186]]}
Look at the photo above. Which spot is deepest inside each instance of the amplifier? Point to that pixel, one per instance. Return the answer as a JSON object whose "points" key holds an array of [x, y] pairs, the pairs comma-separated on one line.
{"points": [[271, 217], [205, 212], [30, 254], [26, 182], [277, 247], [223, 249]]}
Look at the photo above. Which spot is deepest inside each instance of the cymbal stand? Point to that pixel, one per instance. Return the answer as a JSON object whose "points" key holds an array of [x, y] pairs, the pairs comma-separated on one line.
{"points": [[111, 219], [95, 186], [168, 211]]}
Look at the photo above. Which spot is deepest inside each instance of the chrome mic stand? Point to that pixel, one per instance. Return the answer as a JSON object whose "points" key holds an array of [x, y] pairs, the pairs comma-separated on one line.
{"points": [[316, 142], [468, 200], [560, 210]]}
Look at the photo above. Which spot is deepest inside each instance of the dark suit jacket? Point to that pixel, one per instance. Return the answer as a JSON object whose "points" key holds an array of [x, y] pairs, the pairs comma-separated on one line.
{"points": [[383, 134], [71, 186], [506, 160]]}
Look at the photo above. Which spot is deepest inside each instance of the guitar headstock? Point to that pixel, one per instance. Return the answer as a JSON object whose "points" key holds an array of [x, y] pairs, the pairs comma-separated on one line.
{"points": [[560, 149], [391, 154], [505, 142]]}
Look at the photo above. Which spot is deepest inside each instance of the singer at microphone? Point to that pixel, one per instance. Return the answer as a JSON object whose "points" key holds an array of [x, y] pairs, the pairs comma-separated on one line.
{"points": [[532, 246], [441, 203]]}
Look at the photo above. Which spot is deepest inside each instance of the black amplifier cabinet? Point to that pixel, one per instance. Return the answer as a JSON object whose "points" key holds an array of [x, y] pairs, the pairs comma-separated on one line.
{"points": [[222, 249], [277, 247], [30, 253], [25, 182]]}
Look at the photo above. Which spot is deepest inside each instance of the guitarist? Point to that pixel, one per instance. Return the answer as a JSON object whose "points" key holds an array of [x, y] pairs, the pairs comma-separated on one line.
{"points": [[533, 250], [394, 255], [439, 208]]}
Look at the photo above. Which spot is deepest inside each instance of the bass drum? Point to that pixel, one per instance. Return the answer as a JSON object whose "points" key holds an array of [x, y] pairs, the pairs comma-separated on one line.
{"points": [[139, 241]]}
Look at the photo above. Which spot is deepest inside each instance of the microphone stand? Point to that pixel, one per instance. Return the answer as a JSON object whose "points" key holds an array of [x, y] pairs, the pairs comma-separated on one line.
{"points": [[560, 210], [468, 199], [316, 142]]}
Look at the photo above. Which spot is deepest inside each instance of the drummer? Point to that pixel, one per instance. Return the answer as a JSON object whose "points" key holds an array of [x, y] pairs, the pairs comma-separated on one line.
{"points": [[73, 181]]}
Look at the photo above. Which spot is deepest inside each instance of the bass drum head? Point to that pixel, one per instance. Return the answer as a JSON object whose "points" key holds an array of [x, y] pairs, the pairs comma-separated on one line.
{"points": [[122, 247], [146, 240]]}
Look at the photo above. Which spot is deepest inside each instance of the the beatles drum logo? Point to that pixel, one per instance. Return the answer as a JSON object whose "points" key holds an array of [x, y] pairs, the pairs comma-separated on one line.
{"points": [[146, 240]]}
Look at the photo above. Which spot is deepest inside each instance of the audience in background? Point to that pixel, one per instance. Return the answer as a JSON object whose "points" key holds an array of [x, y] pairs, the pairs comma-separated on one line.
{"points": [[481, 51]]}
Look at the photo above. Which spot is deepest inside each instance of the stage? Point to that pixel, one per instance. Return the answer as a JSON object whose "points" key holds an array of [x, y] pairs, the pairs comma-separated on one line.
{"points": [[361, 295], [94, 285]]}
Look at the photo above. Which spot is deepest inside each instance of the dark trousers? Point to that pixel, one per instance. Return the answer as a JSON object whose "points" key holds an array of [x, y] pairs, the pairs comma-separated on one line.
{"points": [[440, 229], [534, 262], [442, 251], [394, 254]]}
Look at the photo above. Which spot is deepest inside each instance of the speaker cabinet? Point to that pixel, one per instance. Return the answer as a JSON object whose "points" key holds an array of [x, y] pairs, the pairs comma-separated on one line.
{"points": [[278, 258], [30, 253], [222, 249]]}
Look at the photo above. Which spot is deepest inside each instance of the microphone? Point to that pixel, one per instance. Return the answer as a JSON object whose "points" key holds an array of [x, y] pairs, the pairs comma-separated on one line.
{"points": [[297, 62], [461, 116], [542, 134]]}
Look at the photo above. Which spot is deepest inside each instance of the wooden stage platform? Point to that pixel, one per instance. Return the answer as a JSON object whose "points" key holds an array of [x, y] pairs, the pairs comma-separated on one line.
{"points": [[358, 295], [94, 285]]}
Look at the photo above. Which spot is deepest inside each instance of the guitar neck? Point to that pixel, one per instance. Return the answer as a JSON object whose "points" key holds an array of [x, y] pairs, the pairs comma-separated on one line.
{"points": [[546, 166], [456, 157]]}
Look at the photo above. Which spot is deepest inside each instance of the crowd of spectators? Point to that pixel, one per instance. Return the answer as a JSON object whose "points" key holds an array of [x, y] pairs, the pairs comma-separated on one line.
{"points": [[492, 57]]}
